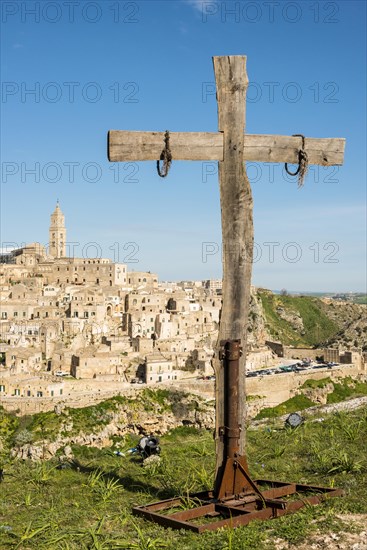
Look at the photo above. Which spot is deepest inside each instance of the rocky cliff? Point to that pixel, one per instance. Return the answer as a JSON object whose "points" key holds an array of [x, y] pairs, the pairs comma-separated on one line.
{"points": [[307, 321]]}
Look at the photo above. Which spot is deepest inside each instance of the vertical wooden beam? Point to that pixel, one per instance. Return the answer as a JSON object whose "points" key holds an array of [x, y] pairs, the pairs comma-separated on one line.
{"points": [[237, 231]]}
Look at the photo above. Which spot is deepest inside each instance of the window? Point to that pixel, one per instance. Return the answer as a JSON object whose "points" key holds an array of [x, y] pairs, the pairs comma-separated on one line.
{"points": [[2, 388], [16, 392], [52, 393], [39, 394], [15, 314]]}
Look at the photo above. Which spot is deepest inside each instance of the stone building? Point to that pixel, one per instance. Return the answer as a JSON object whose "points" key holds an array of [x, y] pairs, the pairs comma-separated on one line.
{"points": [[92, 363], [142, 279], [57, 234], [28, 386], [159, 369], [23, 360]]}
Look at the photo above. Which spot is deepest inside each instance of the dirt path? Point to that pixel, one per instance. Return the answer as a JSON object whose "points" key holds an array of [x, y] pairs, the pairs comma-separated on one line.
{"points": [[335, 541]]}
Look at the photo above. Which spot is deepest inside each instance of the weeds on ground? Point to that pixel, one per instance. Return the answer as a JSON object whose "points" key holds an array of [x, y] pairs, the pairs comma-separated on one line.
{"points": [[87, 505]]}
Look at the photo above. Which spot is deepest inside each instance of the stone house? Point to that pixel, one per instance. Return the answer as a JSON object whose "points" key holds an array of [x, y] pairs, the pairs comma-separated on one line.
{"points": [[140, 324], [164, 327], [159, 369], [17, 310], [23, 360], [142, 279], [90, 364], [26, 386]]}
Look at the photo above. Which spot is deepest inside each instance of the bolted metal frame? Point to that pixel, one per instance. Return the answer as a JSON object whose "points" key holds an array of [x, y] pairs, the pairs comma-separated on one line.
{"points": [[236, 499]]}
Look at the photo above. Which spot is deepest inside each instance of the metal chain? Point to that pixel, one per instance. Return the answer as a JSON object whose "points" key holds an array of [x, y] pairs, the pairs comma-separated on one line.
{"points": [[166, 157], [302, 162]]}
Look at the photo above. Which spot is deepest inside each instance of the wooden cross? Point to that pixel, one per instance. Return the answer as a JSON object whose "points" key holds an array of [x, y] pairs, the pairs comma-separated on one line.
{"points": [[230, 147]]}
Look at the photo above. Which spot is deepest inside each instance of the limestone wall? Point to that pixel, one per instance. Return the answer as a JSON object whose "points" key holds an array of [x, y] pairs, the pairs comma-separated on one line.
{"points": [[272, 390]]}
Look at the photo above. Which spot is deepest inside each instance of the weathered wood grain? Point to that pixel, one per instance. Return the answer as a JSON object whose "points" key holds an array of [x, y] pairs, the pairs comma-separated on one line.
{"points": [[136, 146], [237, 231]]}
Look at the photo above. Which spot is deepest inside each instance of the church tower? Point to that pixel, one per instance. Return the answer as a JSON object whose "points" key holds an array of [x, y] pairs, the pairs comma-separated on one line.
{"points": [[57, 234]]}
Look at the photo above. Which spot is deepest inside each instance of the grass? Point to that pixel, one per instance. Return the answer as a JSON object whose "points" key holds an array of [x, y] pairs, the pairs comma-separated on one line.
{"points": [[313, 384], [360, 299], [48, 425], [317, 325], [296, 403], [347, 389], [88, 504]]}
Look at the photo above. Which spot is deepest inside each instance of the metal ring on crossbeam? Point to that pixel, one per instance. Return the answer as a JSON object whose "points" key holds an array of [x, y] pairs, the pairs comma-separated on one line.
{"points": [[302, 162], [166, 157]]}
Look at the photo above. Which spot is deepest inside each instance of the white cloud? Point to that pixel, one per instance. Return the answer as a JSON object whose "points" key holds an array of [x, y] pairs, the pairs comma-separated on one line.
{"points": [[196, 4]]}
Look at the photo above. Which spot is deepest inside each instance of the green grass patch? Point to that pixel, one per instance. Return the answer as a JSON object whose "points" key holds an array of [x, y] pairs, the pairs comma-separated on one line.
{"points": [[317, 325], [87, 506], [296, 403], [311, 383], [347, 389]]}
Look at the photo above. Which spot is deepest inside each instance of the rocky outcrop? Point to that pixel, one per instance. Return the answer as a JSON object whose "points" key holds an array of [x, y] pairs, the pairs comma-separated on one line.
{"points": [[257, 332], [292, 317], [188, 411], [319, 395]]}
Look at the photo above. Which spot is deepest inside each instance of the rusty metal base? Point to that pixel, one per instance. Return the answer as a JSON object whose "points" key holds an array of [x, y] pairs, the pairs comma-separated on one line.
{"points": [[209, 513]]}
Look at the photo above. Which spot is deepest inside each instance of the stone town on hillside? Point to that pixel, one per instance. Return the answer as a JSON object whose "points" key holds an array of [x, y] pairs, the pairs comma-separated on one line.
{"points": [[104, 326]]}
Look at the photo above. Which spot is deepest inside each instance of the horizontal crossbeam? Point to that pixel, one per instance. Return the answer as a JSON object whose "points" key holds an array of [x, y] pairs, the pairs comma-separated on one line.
{"points": [[137, 146]]}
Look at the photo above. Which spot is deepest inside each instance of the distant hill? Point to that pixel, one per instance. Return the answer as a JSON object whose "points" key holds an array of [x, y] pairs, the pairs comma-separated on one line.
{"points": [[308, 321]]}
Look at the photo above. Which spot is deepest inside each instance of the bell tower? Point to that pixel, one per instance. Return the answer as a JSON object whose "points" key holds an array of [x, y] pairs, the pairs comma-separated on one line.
{"points": [[57, 233]]}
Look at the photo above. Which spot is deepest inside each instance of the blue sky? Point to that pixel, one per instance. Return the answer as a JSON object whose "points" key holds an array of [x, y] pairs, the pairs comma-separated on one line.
{"points": [[146, 65]]}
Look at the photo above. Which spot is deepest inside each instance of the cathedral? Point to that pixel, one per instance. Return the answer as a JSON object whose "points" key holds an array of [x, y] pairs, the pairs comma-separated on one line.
{"points": [[52, 265], [57, 234]]}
